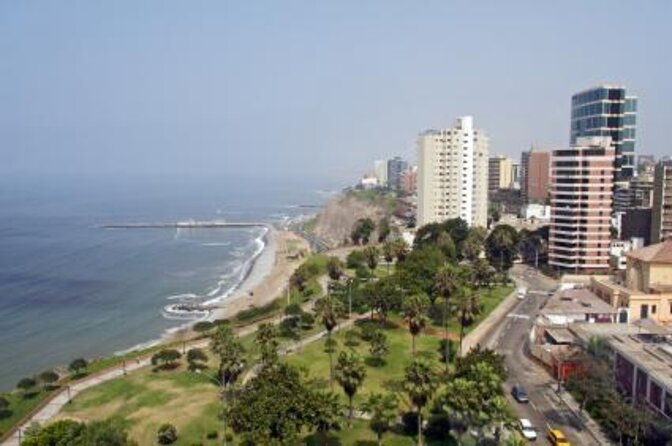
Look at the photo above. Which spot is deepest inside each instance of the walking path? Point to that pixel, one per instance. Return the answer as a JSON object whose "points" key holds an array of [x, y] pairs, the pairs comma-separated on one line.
{"points": [[48, 411]]}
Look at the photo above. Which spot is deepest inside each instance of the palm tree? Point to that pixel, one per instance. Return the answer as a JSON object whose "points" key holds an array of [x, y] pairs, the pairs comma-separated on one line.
{"points": [[420, 383], [267, 340], [388, 253], [400, 249], [350, 374], [415, 308], [383, 410], [448, 280], [371, 253], [231, 353], [482, 273], [468, 307], [328, 309], [334, 268]]}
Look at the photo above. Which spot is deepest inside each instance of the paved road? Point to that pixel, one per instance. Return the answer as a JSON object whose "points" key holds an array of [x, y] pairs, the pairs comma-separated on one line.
{"points": [[509, 338]]}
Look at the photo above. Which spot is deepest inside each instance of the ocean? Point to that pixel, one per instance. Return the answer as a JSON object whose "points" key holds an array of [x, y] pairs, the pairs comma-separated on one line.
{"points": [[70, 288]]}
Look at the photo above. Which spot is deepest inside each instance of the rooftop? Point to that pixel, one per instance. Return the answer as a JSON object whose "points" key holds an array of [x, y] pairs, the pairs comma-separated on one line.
{"points": [[576, 301], [658, 253], [643, 345]]}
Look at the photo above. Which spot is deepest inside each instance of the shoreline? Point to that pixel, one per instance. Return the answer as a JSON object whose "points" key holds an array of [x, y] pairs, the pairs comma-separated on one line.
{"points": [[267, 276], [264, 285]]}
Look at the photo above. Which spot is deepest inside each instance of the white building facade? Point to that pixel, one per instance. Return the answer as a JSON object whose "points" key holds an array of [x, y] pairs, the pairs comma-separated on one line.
{"points": [[453, 174]]}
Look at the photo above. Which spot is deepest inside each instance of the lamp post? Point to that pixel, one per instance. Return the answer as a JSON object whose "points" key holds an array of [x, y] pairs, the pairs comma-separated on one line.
{"points": [[67, 389]]}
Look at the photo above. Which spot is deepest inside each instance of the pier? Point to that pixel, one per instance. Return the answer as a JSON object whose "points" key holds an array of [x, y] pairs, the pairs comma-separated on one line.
{"points": [[184, 224]]}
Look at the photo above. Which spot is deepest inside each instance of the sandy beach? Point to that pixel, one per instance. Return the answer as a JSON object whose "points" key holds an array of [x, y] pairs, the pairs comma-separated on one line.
{"points": [[269, 276]]}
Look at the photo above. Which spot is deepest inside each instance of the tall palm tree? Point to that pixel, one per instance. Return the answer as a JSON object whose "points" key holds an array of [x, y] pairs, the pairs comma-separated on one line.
{"points": [[400, 249], [415, 308], [420, 383], [448, 279], [350, 374], [468, 308], [266, 339], [231, 353], [328, 309], [388, 254], [371, 253]]}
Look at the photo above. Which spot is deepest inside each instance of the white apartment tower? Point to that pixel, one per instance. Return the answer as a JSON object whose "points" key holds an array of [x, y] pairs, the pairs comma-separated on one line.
{"points": [[453, 174]]}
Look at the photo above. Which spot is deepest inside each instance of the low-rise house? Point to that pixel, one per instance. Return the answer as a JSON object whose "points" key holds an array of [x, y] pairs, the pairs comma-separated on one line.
{"points": [[646, 291], [551, 342], [641, 357]]}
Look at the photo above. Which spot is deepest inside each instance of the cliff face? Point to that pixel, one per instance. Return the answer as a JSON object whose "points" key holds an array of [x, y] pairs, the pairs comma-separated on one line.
{"points": [[338, 217]]}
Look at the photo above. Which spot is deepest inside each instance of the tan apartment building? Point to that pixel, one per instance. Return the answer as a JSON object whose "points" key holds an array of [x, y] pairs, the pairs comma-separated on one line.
{"points": [[534, 175], [646, 292], [453, 174], [500, 173], [661, 212], [581, 206]]}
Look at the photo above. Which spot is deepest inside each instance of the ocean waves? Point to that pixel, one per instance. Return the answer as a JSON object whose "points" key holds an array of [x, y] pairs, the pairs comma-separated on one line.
{"points": [[193, 306]]}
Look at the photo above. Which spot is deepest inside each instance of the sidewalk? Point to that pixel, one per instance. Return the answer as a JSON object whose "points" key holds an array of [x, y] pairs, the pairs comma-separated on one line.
{"points": [[590, 424], [490, 322], [54, 406]]}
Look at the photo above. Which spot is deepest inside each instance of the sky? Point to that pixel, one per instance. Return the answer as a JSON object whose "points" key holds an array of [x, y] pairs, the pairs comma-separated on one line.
{"points": [[308, 88]]}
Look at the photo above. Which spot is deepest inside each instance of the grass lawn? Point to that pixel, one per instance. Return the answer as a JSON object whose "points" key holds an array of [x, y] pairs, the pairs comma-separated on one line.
{"points": [[379, 378], [19, 406], [145, 399], [489, 301]]}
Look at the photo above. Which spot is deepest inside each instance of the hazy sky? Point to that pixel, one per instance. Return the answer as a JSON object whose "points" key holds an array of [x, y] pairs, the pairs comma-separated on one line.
{"points": [[285, 87]]}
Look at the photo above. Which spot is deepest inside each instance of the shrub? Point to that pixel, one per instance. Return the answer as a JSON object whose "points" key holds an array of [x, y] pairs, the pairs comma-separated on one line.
{"points": [[48, 377], [307, 321], [78, 366], [203, 326], [212, 435], [26, 384], [166, 358], [167, 434], [355, 259]]}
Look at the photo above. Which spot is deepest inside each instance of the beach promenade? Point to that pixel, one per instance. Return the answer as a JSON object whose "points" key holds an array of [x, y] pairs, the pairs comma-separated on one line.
{"points": [[50, 410]]}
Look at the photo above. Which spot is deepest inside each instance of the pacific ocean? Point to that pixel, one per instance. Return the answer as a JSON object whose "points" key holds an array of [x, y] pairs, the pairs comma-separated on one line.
{"points": [[70, 288]]}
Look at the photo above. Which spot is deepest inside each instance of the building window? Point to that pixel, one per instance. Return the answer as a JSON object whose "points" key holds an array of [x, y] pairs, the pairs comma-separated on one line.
{"points": [[653, 309]]}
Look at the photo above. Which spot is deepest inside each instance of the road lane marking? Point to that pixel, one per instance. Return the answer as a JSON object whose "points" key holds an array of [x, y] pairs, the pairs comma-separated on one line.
{"points": [[518, 316]]}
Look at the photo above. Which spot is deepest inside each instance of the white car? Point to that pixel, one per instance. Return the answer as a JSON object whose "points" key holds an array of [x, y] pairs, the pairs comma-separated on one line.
{"points": [[527, 429], [521, 293]]}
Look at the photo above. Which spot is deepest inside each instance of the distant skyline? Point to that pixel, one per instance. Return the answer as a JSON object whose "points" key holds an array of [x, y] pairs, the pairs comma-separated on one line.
{"points": [[282, 89]]}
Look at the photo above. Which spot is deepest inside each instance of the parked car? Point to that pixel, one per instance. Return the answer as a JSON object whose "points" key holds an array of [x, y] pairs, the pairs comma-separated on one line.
{"points": [[522, 292], [557, 438], [527, 429], [519, 394]]}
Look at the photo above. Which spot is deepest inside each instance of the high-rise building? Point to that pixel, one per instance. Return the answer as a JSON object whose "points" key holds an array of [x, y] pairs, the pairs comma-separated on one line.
{"points": [[499, 173], [395, 168], [661, 213], [646, 163], [515, 175], [453, 174], [582, 180], [641, 190], [409, 179], [534, 175], [380, 171], [608, 110]]}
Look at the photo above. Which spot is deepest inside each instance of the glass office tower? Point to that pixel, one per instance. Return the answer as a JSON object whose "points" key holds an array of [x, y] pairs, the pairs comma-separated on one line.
{"points": [[608, 111]]}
